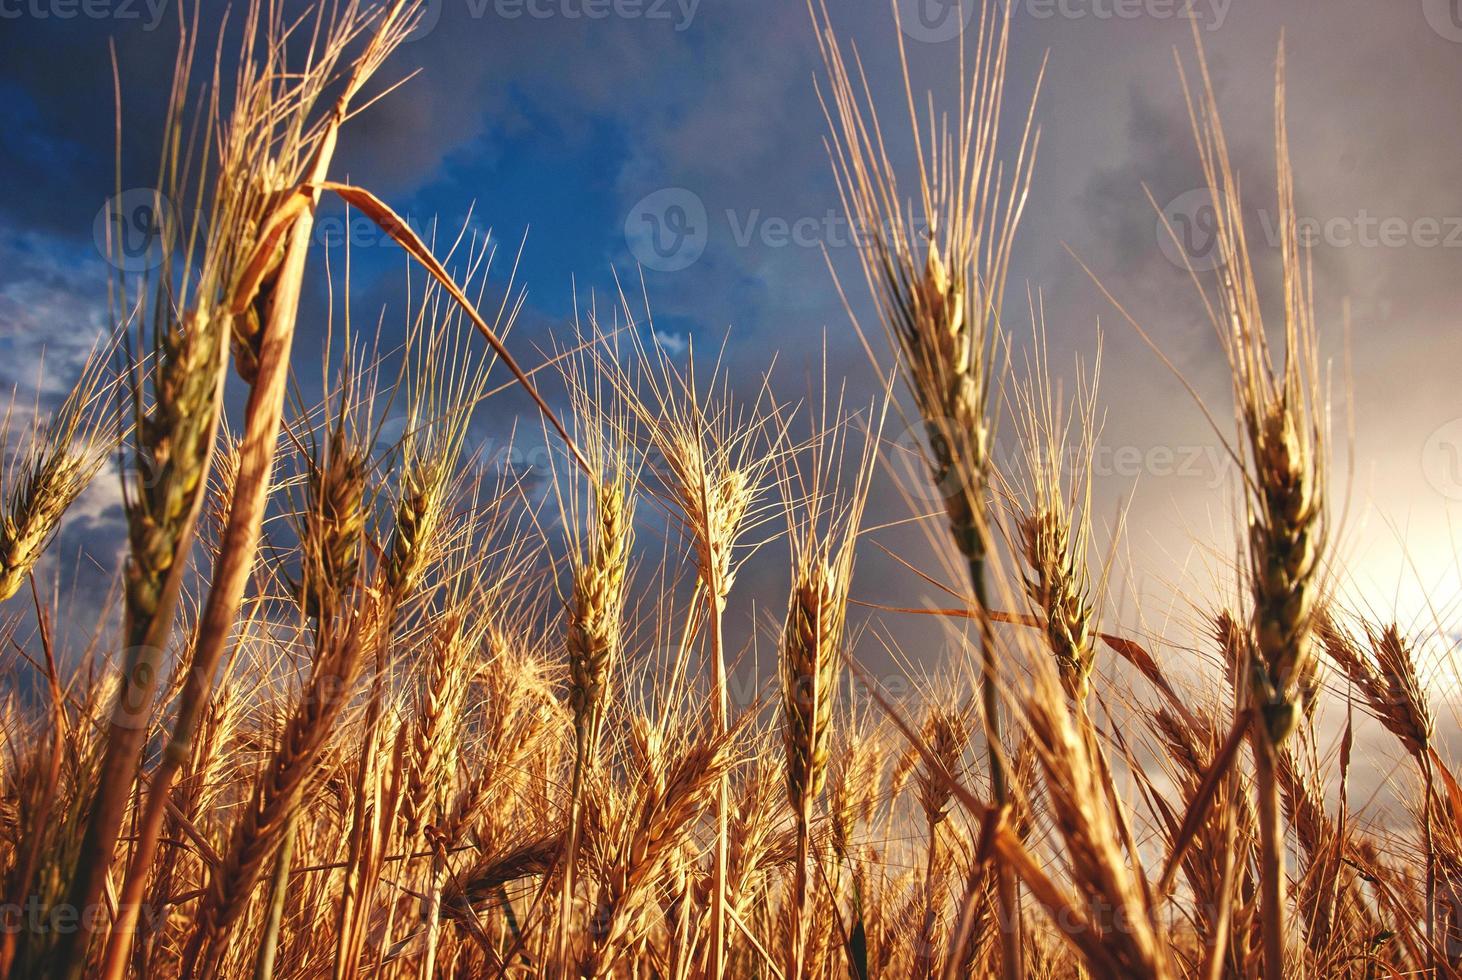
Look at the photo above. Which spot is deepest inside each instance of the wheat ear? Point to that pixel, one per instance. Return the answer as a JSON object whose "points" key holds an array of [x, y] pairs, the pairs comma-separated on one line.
{"points": [[637, 847], [445, 383], [946, 735], [940, 303], [1393, 691], [277, 146], [42, 479], [715, 458], [173, 438], [824, 515], [1053, 520], [1280, 414], [1086, 821]]}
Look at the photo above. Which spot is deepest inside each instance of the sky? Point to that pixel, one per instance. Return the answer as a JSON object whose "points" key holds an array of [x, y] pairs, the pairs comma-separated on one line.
{"points": [[680, 144]]}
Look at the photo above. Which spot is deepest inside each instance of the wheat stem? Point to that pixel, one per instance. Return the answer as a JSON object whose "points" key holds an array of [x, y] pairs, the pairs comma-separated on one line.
{"points": [[274, 914], [1006, 890], [293, 220], [1272, 879]]}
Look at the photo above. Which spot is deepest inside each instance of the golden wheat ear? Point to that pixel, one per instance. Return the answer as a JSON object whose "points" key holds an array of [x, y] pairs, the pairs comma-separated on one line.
{"points": [[47, 465], [1280, 411], [444, 383], [714, 456], [250, 177], [1086, 821], [597, 509], [1051, 498], [1391, 690], [596, 505], [936, 273], [824, 511], [333, 525], [1280, 449]]}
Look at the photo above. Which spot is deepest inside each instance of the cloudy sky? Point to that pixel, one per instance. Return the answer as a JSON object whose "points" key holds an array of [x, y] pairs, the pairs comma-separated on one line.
{"points": [[682, 140]]}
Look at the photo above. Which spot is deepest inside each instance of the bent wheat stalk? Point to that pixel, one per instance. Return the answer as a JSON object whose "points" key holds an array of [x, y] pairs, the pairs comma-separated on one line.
{"points": [[272, 132]]}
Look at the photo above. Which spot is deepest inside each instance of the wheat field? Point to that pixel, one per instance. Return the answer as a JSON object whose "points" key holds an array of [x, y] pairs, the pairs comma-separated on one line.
{"points": [[371, 708]]}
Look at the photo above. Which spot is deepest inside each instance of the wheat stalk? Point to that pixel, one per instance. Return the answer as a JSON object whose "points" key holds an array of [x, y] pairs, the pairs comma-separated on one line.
{"points": [[1280, 420], [1053, 521], [940, 303], [1085, 818], [824, 514], [173, 436], [596, 608], [42, 478], [810, 663], [331, 541], [1394, 693], [277, 795], [277, 143], [714, 460], [639, 840], [946, 736], [602, 542]]}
